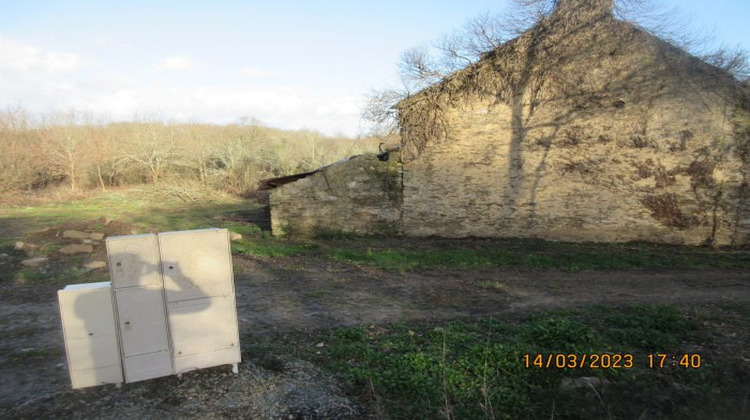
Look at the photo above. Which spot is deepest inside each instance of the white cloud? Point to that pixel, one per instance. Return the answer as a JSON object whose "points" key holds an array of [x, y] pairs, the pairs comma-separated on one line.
{"points": [[62, 61], [285, 107], [41, 81], [257, 73], [176, 63], [17, 56]]}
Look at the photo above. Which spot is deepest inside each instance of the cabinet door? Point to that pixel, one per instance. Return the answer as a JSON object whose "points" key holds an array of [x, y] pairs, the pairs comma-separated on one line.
{"points": [[141, 320], [90, 336], [134, 261], [100, 376], [147, 366], [190, 362], [87, 313], [196, 264], [203, 325], [93, 353]]}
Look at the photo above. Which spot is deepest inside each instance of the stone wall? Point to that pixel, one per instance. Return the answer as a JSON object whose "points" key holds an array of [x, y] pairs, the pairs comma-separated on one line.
{"points": [[583, 183], [361, 195], [581, 131]]}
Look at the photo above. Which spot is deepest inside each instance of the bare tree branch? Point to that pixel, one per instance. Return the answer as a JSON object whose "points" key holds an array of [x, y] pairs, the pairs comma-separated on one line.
{"points": [[733, 60], [424, 66], [419, 69]]}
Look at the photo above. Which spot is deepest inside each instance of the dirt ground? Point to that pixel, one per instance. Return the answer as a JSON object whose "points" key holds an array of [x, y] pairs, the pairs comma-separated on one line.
{"points": [[295, 294], [299, 294]]}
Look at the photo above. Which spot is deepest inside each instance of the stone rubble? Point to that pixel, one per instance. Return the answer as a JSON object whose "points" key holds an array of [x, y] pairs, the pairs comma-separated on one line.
{"points": [[76, 234], [93, 265], [33, 262], [77, 249]]}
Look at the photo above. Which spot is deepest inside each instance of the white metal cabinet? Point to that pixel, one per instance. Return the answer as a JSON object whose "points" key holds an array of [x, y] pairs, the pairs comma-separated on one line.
{"points": [[91, 343], [139, 306], [143, 327], [175, 302], [204, 333], [199, 288]]}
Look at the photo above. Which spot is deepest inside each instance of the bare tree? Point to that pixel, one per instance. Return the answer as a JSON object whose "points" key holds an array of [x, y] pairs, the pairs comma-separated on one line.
{"points": [[67, 142], [152, 147], [15, 163]]}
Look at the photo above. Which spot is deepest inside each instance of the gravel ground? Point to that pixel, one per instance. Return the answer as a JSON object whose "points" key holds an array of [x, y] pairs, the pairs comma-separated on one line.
{"points": [[293, 390]]}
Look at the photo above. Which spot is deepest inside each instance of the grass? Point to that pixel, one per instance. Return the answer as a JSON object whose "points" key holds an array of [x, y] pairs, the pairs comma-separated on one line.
{"points": [[140, 207], [133, 207], [544, 255], [28, 275], [72, 274], [270, 248], [491, 285], [477, 368]]}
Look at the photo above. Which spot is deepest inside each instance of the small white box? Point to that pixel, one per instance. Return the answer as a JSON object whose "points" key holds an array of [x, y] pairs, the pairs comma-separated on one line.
{"points": [[91, 344]]}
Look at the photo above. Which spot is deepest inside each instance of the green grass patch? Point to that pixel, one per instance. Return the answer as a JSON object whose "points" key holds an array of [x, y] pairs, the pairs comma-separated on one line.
{"points": [[272, 248], [30, 276], [478, 369], [537, 254]]}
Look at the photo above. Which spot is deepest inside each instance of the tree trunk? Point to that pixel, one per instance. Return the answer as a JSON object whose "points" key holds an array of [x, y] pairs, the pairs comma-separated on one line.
{"points": [[99, 175], [72, 173]]}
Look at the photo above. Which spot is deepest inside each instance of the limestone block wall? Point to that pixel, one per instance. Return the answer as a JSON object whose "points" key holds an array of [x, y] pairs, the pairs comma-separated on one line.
{"points": [[362, 196]]}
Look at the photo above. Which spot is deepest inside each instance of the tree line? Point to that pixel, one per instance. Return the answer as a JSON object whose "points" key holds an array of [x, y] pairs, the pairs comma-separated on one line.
{"points": [[74, 151]]}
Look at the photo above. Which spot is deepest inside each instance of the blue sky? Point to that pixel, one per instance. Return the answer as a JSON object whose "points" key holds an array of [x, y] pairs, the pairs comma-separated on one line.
{"points": [[290, 64]]}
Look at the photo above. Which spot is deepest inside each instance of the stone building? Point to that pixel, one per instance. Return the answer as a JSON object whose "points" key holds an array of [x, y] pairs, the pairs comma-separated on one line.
{"points": [[583, 128]]}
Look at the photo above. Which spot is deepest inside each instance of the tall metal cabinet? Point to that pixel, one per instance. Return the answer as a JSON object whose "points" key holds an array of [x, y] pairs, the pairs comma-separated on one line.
{"points": [[200, 299], [174, 302], [140, 310]]}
